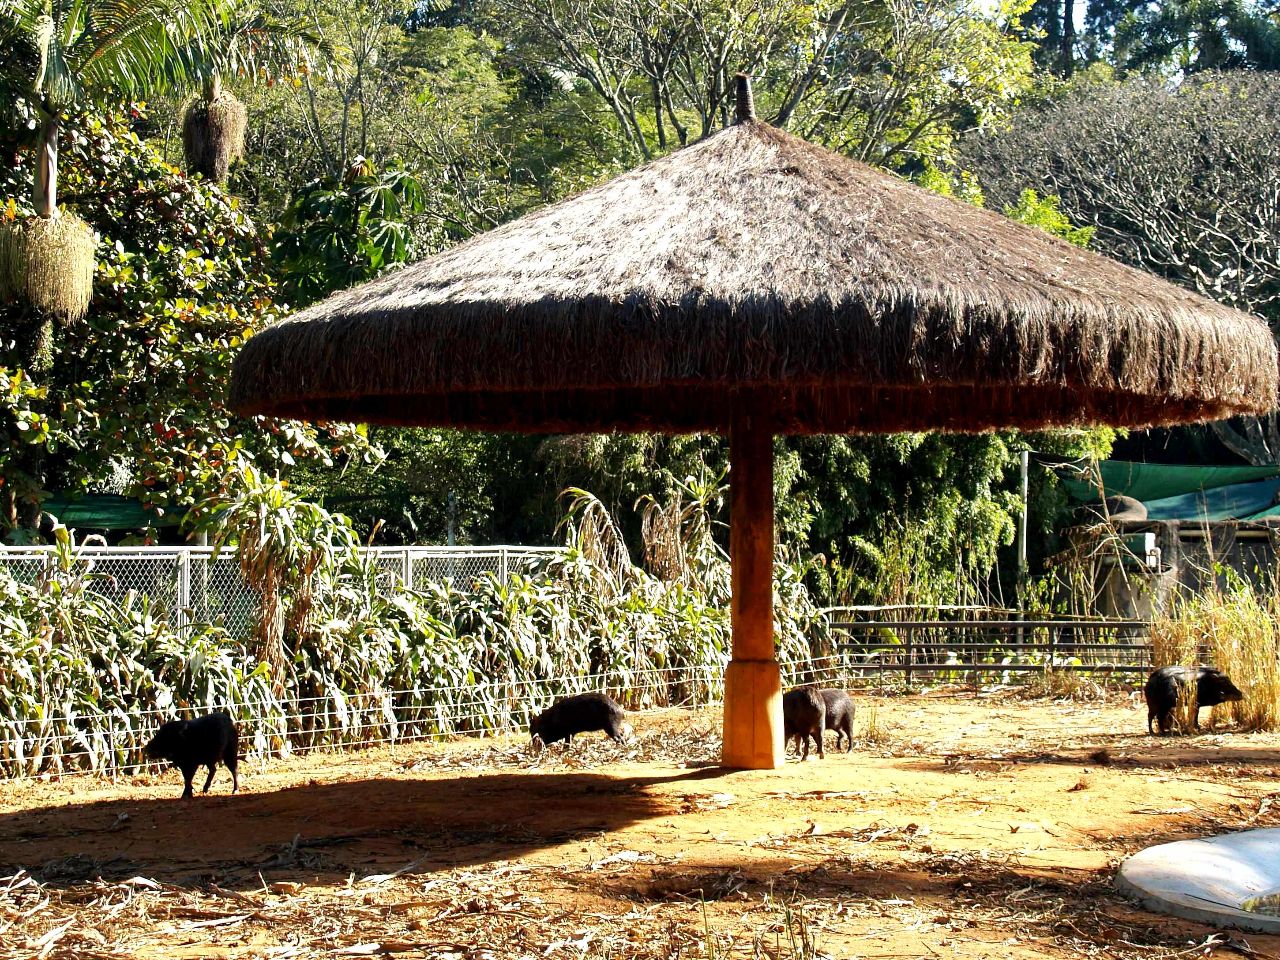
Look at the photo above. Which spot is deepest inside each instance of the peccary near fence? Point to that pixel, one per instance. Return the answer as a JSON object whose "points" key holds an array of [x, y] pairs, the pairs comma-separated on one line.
{"points": [[580, 714], [804, 715], [839, 716], [191, 744], [1211, 688]]}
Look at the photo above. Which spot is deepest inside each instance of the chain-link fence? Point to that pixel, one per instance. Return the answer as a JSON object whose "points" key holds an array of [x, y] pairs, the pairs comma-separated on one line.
{"points": [[197, 585]]}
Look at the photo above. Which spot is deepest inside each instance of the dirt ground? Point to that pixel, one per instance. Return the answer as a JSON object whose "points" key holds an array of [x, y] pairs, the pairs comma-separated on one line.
{"points": [[960, 826]]}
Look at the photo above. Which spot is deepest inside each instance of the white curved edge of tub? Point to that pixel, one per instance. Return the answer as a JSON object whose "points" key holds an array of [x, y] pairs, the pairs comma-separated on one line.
{"points": [[1207, 879]]}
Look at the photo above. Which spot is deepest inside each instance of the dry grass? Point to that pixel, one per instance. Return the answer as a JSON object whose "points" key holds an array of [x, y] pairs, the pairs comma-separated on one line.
{"points": [[1236, 630], [49, 263], [996, 854]]}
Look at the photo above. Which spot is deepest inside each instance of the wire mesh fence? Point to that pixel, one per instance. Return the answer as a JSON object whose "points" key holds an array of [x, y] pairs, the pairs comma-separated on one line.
{"points": [[111, 743], [199, 585]]}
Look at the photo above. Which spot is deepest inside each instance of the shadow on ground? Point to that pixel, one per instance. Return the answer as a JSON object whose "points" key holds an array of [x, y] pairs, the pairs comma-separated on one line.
{"points": [[1122, 751], [327, 831]]}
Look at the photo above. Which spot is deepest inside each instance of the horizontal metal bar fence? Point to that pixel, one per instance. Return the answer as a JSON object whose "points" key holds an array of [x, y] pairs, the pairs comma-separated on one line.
{"points": [[201, 585], [983, 649]]}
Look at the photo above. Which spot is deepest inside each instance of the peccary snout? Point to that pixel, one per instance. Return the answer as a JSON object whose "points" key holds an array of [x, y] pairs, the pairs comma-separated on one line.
{"points": [[191, 744]]}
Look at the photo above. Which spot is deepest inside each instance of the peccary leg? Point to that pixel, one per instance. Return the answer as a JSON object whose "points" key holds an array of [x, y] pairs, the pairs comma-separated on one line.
{"points": [[209, 779], [188, 774], [231, 762]]}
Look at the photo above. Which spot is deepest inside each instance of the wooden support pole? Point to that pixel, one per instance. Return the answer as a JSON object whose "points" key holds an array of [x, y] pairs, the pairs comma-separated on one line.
{"points": [[752, 682]]}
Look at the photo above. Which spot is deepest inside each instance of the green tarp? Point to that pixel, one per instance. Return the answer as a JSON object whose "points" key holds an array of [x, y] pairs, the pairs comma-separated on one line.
{"points": [[104, 511], [1176, 492]]}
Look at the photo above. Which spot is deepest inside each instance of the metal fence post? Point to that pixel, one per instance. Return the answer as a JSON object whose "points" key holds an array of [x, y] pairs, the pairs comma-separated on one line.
{"points": [[502, 563], [408, 568], [180, 615]]}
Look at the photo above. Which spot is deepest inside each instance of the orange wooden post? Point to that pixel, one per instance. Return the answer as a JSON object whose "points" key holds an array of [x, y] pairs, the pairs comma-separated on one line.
{"points": [[752, 682]]}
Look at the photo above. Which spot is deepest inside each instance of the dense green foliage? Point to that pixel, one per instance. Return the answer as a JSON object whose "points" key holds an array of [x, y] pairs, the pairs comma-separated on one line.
{"points": [[131, 397], [1184, 36], [381, 131]]}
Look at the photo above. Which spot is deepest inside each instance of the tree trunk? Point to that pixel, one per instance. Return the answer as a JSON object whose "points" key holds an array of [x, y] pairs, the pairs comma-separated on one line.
{"points": [[45, 195], [1068, 37]]}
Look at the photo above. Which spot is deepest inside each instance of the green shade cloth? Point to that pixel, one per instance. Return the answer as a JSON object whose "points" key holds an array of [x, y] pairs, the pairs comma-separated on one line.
{"points": [[1239, 501], [1177, 492], [104, 511]]}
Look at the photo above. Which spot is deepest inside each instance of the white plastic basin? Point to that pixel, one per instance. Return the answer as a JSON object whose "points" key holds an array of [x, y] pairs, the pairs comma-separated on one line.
{"points": [[1210, 880]]}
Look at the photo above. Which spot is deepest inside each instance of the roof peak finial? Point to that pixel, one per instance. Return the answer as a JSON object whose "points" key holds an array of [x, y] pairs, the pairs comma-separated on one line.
{"points": [[746, 104]]}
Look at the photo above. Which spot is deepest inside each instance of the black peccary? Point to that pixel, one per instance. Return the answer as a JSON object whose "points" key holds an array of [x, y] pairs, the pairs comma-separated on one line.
{"points": [[1212, 687], [804, 714], [839, 716], [580, 714], [190, 744]]}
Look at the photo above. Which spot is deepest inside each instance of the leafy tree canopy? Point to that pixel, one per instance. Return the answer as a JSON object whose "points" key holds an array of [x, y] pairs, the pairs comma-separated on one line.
{"points": [[131, 398]]}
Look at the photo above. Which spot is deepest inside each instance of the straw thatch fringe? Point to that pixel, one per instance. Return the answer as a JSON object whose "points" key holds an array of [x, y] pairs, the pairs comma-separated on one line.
{"points": [[856, 301], [213, 135], [48, 263]]}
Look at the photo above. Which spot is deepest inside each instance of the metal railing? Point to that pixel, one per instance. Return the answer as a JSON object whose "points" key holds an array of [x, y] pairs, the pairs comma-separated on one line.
{"points": [[985, 647], [195, 585]]}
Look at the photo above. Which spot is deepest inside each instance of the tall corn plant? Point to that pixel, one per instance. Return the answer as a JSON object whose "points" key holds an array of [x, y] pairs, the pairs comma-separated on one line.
{"points": [[86, 676], [285, 546]]}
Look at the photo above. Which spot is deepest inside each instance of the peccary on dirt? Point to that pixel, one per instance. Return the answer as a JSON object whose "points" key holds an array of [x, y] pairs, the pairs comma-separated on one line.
{"points": [[804, 714], [580, 714], [1212, 687], [190, 744], [839, 716]]}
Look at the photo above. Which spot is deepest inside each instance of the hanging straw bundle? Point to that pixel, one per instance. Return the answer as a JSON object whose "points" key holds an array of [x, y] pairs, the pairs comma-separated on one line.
{"points": [[213, 135], [49, 263]]}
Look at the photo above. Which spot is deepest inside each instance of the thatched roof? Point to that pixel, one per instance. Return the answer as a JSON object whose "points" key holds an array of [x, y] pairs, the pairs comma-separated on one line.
{"points": [[847, 298]]}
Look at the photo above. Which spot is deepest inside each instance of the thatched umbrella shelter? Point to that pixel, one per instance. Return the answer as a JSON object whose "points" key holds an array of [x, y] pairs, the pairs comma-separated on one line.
{"points": [[755, 284]]}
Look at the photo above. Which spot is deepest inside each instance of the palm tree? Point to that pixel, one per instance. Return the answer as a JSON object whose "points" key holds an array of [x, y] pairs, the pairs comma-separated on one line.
{"points": [[250, 40], [66, 55]]}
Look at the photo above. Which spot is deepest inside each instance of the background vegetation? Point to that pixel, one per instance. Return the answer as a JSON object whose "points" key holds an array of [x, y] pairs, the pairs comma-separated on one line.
{"points": [[363, 136]]}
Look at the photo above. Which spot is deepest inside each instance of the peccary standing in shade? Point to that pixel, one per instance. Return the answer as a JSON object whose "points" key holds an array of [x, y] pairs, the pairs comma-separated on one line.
{"points": [[1212, 687], [804, 714], [839, 716], [191, 744], [580, 714]]}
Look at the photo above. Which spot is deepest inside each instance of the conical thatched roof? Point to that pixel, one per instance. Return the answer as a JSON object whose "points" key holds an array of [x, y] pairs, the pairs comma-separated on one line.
{"points": [[847, 298]]}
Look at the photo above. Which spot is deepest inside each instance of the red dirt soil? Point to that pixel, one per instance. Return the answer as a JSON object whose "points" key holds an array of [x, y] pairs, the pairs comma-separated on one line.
{"points": [[960, 826]]}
